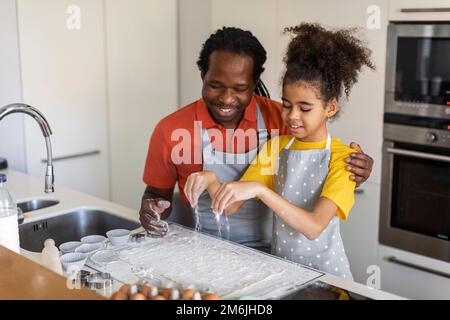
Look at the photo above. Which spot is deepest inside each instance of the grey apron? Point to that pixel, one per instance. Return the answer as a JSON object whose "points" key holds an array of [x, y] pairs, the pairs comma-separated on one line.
{"points": [[252, 224], [299, 180]]}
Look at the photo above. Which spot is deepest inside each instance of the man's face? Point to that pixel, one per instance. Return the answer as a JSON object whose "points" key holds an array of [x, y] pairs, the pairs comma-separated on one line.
{"points": [[228, 87]]}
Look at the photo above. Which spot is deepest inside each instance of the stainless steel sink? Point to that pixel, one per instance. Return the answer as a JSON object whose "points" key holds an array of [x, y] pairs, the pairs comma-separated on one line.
{"points": [[71, 226], [36, 204]]}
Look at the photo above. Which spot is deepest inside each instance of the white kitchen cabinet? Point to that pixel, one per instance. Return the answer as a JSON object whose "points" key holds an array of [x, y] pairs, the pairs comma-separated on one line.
{"points": [[360, 232], [142, 85], [409, 282], [102, 87], [12, 137], [419, 10], [63, 75], [193, 32]]}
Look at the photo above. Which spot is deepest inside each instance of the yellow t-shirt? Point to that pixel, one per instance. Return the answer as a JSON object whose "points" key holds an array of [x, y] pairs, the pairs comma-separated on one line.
{"points": [[337, 187]]}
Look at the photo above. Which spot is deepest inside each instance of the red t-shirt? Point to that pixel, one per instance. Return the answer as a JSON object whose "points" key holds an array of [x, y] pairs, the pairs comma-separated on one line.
{"points": [[168, 162]]}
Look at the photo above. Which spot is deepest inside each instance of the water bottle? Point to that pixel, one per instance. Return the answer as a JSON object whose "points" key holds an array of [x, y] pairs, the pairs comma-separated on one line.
{"points": [[9, 226]]}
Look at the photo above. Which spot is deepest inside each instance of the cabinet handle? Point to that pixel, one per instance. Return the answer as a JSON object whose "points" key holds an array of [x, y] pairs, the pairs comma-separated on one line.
{"points": [[416, 154], [417, 267], [416, 10], [73, 156]]}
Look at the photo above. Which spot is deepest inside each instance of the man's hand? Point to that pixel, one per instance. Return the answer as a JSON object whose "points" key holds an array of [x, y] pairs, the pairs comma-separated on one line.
{"points": [[360, 164], [150, 216]]}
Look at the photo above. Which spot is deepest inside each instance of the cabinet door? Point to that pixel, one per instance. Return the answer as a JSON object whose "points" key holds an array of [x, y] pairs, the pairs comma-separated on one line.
{"points": [[411, 282], [360, 231], [259, 17], [419, 10], [142, 85], [12, 138], [361, 117], [63, 75]]}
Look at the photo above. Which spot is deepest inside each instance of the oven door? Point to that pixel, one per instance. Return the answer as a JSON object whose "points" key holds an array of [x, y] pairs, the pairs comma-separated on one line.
{"points": [[418, 69], [415, 199]]}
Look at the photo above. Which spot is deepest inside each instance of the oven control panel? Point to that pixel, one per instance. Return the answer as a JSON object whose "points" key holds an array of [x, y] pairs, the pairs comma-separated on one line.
{"points": [[438, 136], [417, 135]]}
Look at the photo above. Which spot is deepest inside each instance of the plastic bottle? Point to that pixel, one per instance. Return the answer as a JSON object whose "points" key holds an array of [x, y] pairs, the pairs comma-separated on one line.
{"points": [[9, 226], [50, 256]]}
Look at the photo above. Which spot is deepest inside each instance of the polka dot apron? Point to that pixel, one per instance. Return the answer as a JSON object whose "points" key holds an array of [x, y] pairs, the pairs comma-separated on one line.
{"points": [[299, 179]]}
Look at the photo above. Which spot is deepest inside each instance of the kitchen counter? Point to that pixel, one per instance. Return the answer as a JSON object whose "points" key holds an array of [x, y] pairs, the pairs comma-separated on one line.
{"points": [[24, 187], [31, 281]]}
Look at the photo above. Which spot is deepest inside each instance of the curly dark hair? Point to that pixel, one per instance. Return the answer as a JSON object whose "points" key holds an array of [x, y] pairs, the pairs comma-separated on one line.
{"points": [[329, 60], [237, 41]]}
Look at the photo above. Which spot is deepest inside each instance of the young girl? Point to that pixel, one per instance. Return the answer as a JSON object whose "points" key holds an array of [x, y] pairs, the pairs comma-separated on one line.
{"points": [[302, 176]]}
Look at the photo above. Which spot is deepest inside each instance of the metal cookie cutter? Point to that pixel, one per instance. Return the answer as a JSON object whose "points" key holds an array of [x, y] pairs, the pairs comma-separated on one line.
{"points": [[99, 281], [138, 237], [83, 275]]}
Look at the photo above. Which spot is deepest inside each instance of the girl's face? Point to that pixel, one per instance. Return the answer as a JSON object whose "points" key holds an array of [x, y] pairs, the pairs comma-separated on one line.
{"points": [[304, 113]]}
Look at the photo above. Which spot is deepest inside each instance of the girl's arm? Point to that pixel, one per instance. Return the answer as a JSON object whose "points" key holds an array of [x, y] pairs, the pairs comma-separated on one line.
{"points": [[206, 180], [311, 224], [198, 182], [230, 197]]}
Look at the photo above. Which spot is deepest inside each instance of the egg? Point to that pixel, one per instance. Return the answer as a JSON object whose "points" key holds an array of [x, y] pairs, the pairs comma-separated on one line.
{"points": [[158, 297], [119, 295], [145, 290], [166, 293], [138, 296], [210, 296], [187, 294], [124, 289]]}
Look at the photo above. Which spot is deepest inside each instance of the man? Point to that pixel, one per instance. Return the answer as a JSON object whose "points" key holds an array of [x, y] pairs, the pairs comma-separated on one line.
{"points": [[231, 63]]}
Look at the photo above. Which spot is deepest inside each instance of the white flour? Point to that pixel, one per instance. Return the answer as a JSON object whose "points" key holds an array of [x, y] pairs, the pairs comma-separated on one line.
{"points": [[197, 220], [185, 257]]}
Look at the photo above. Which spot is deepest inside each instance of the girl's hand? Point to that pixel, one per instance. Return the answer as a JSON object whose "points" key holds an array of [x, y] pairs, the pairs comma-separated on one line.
{"points": [[232, 192], [196, 184]]}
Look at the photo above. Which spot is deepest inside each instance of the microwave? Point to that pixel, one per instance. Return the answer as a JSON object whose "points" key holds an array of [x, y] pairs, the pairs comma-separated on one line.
{"points": [[418, 69]]}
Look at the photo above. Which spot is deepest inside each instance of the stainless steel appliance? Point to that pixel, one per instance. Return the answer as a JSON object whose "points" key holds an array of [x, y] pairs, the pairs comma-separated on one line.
{"points": [[415, 195]]}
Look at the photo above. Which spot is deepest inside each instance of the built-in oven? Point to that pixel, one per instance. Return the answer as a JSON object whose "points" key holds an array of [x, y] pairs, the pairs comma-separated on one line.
{"points": [[415, 194]]}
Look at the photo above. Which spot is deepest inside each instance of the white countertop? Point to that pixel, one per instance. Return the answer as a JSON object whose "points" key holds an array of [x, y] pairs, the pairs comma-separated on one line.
{"points": [[24, 187]]}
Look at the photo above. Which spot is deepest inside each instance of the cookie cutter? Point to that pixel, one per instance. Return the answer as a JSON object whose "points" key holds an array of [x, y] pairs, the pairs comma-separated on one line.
{"points": [[99, 281]]}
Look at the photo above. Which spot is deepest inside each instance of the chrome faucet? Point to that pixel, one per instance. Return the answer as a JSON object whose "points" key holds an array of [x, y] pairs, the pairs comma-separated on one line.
{"points": [[46, 131]]}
